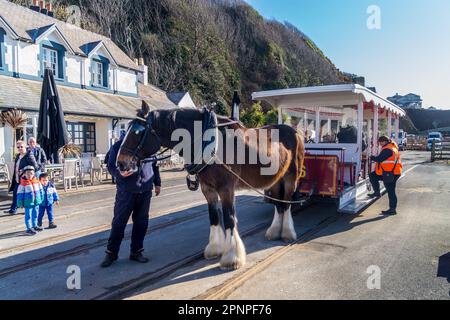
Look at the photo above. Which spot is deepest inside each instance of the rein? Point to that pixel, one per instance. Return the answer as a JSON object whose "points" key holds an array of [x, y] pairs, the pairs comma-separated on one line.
{"points": [[227, 167]]}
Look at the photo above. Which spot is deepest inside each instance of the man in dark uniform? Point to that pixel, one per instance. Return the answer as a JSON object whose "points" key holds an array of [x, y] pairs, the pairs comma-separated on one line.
{"points": [[134, 192], [389, 160]]}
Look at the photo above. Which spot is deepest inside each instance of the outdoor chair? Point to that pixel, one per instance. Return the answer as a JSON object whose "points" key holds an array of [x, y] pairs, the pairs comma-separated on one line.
{"points": [[5, 175], [86, 166], [96, 170], [69, 173], [101, 157]]}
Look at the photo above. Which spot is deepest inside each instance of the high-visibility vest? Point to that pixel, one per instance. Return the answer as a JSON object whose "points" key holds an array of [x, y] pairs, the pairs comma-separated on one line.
{"points": [[388, 164]]}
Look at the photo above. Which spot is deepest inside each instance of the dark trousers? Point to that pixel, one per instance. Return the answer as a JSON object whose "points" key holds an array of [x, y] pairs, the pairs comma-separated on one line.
{"points": [[390, 188], [13, 207], [137, 205]]}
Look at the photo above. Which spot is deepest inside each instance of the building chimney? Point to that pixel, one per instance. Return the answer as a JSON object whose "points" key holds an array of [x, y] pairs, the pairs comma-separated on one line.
{"points": [[42, 6], [49, 8], [143, 75], [136, 61], [35, 6]]}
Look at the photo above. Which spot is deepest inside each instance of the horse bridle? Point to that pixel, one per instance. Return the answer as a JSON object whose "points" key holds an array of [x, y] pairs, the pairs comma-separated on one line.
{"points": [[148, 128]]}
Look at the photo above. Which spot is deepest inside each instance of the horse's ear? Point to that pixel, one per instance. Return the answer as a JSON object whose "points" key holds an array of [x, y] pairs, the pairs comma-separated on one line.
{"points": [[145, 109]]}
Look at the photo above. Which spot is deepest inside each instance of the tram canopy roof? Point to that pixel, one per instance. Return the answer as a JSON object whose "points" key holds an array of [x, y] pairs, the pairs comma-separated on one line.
{"points": [[325, 96]]}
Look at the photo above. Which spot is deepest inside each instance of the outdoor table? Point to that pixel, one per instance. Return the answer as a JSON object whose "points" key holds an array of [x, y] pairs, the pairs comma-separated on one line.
{"points": [[59, 167], [52, 168]]}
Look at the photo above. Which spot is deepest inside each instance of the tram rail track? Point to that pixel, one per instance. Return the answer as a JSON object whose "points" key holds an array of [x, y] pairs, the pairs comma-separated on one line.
{"points": [[224, 290], [109, 204], [99, 243], [131, 286]]}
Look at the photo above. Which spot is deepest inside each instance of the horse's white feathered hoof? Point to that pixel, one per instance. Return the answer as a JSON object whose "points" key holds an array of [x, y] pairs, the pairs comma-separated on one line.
{"points": [[216, 245], [288, 233], [234, 256], [289, 236], [212, 252], [273, 233]]}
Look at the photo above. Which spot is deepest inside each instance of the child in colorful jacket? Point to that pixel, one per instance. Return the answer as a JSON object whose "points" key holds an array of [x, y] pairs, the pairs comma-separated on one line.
{"points": [[50, 197], [30, 196]]}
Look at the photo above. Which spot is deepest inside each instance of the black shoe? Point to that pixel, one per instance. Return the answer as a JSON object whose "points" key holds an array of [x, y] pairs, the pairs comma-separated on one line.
{"points": [[138, 257], [13, 213], [373, 195], [38, 229], [51, 225], [30, 232], [390, 212], [109, 259]]}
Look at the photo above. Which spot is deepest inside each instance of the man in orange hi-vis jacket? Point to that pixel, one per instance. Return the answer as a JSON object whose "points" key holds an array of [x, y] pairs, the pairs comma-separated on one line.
{"points": [[388, 169]]}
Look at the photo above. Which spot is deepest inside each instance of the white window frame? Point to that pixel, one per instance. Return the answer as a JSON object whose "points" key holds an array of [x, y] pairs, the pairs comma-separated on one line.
{"points": [[47, 60], [97, 74]]}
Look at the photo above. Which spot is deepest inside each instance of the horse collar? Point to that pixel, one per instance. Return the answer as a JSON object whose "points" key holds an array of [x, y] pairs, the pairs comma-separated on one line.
{"points": [[209, 121]]}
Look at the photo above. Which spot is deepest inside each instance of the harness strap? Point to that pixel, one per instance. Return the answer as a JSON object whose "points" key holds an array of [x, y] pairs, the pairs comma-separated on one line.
{"points": [[252, 187]]}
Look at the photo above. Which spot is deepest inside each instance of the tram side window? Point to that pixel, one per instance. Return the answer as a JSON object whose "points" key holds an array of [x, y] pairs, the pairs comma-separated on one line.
{"points": [[310, 132], [347, 130], [329, 130]]}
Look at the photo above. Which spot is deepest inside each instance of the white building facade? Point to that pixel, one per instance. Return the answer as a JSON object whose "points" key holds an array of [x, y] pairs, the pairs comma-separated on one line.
{"points": [[97, 81]]}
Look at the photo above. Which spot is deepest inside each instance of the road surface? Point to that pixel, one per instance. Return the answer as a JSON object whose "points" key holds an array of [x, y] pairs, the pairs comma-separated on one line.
{"points": [[367, 256]]}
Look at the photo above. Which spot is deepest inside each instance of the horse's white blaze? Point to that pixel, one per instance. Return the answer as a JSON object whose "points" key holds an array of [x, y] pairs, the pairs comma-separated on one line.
{"points": [[216, 245], [274, 231], [288, 232], [234, 255]]}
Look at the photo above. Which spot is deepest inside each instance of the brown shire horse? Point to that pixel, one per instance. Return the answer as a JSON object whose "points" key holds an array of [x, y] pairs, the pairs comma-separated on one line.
{"points": [[151, 130]]}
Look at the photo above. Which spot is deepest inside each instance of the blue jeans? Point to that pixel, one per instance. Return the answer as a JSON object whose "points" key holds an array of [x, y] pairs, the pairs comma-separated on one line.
{"points": [[42, 210], [31, 214]]}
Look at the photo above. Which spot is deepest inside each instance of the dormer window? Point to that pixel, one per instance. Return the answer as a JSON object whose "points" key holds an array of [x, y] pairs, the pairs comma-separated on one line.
{"points": [[53, 58], [50, 60], [97, 74]]}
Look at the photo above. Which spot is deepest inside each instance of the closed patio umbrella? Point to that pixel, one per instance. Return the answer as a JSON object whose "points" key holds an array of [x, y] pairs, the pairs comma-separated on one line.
{"points": [[52, 130]]}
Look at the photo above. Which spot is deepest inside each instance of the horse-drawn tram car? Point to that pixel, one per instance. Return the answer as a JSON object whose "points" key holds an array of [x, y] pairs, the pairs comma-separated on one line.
{"points": [[341, 125]]}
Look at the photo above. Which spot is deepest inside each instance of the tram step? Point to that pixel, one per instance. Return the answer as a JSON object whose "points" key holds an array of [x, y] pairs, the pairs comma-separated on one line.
{"points": [[359, 204]]}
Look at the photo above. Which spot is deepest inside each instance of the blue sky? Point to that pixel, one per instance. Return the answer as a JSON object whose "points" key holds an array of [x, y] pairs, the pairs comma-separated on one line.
{"points": [[410, 53]]}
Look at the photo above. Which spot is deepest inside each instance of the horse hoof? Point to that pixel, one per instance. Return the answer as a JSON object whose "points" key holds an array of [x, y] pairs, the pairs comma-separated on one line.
{"points": [[273, 235], [211, 254], [211, 257], [230, 266], [289, 237]]}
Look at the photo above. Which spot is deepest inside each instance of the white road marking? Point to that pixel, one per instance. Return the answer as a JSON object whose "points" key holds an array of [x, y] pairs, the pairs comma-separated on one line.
{"points": [[407, 171]]}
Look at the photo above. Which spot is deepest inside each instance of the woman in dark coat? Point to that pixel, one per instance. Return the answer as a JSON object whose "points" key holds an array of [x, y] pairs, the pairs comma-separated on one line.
{"points": [[23, 159]]}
